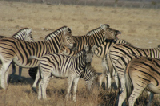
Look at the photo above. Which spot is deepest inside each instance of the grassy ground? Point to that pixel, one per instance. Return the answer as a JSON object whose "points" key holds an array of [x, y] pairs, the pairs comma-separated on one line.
{"points": [[141, 27]]}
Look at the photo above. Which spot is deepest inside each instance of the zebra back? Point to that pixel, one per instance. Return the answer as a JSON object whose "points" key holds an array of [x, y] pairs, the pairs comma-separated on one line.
{"points": [[101, 50], [121, 54], [57, 32], [24, 34]]}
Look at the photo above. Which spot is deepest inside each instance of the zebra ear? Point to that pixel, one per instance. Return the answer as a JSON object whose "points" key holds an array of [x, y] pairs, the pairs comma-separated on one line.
{"points": [[104, 26], [29, 31], [67, 30]]}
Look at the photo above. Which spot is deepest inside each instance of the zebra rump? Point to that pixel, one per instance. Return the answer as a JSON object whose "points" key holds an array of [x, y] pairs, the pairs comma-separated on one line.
{"points": [[142, 74]]}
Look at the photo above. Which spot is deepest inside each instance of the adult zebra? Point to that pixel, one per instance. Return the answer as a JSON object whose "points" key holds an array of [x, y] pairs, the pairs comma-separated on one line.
{"points": [[19, 51], [62, 66], [94, 37], [26, 35], [142, 73], [101, 52], [120, 55]]}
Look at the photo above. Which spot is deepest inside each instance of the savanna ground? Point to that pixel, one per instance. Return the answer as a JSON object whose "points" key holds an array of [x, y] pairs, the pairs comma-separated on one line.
{"points": [[140, 27]]}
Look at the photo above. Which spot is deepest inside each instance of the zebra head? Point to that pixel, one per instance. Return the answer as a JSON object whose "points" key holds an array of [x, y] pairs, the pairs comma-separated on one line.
{"points": [[89, 52], [67, 39], [24, 34], [90, 77], [109, 33]]}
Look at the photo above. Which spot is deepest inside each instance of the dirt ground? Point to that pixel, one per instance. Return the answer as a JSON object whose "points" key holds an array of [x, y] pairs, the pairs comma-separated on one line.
{"points": [[140, 27]]}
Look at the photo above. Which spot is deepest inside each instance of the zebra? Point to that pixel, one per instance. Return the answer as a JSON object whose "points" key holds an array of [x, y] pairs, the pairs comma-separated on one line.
{"points": [[101, 52], [94, 37], [61, 65], [142, 73], [19, 51], [120, 55], [26, 35]]}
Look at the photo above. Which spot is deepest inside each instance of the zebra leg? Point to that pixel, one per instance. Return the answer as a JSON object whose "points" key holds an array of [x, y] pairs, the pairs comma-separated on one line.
{"points": [[105, 82], [45, 76], [13, 71], [122, 97], [150, 99], [106, 73], [122, 90], [36, 80], [4, 74], [20, 72], [109, 80], [75, 81], [40, 90], [100, 80], [116, 79], [135, 94], [6, 78], [70, 80]]}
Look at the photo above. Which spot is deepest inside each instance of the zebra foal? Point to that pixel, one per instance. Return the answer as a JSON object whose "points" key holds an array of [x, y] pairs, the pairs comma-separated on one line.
{"points": [[19, 51], [142, 73], [60, 65]]}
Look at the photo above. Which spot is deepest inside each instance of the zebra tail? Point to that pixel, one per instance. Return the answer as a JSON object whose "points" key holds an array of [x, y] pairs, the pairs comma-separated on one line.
{"points": [[128, 84]]}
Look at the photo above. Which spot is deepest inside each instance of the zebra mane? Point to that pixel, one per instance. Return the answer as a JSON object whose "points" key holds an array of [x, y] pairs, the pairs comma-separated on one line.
{"points": [[24, 34], [20, 33], [55, 33], [93, 31]]}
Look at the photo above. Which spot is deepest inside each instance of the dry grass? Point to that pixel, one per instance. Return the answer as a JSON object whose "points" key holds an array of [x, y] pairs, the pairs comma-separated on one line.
{"points": [[141, 27]]}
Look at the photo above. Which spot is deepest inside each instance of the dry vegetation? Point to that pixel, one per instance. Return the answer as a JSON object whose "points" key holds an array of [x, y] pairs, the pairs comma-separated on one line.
{"points": [[141, 27]]}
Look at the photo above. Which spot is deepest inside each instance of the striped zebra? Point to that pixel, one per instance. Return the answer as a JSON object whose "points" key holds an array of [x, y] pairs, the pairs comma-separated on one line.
{"points": [[64, 66], [101, 52], [120, 55], [142, 73], [26, 35], [19, 51], [94, 37]]}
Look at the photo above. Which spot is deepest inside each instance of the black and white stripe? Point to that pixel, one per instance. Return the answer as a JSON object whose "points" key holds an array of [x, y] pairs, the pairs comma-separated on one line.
{"points": [[142, 74], [101, 52], [60, 65], [94, 37], [19, 51], [26, 35], [121, 54]]}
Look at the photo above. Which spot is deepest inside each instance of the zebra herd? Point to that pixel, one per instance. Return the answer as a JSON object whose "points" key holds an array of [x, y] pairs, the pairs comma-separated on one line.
{"points": [[66, 56]]}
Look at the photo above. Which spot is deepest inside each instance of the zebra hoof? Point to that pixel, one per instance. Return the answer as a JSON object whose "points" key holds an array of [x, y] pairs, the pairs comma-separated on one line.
{"points": [[34, 89]]}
